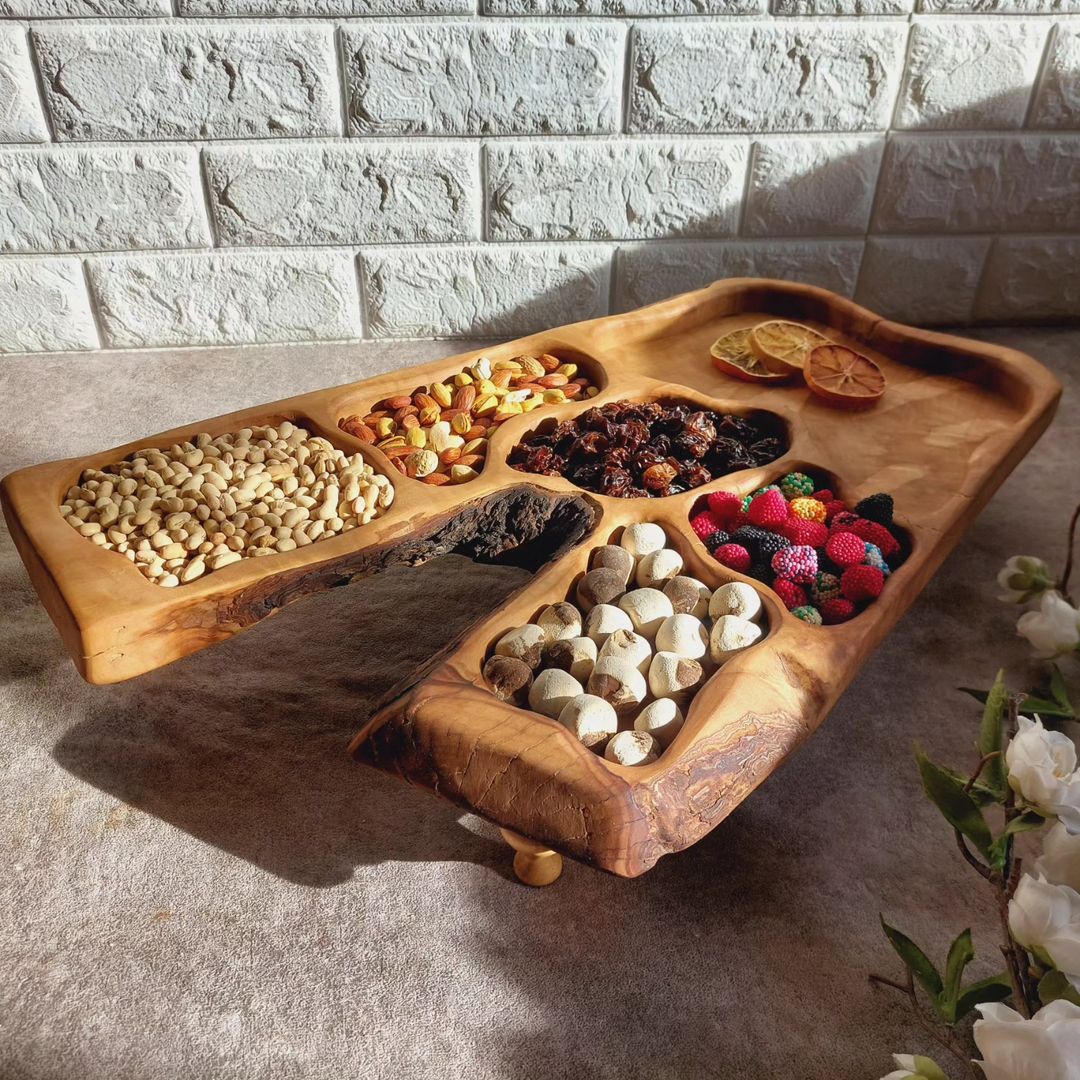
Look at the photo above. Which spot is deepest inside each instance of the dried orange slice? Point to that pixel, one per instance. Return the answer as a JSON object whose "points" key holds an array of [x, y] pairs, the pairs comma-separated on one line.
{"points": [[843, 377], [731, 354], [784, 346]]}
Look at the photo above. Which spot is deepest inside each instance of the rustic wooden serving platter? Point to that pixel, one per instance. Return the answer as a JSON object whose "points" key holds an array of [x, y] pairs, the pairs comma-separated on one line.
{"points": [[957, 417]]}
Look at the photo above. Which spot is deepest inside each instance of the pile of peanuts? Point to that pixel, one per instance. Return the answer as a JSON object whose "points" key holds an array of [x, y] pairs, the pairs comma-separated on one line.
{"points": [[201, 505], [438, 433], [619, 666]]}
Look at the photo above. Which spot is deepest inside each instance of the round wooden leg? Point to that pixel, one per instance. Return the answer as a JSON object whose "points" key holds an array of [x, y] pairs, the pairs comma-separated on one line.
{"points": [[534, 864]]}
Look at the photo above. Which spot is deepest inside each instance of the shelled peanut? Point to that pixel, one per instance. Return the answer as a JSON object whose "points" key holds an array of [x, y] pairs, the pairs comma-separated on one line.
{"points": [[619, 665], [199, 506], [438, 434]]}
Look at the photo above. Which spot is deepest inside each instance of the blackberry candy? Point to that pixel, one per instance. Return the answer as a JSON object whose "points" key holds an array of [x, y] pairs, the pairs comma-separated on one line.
{"points": [[877, 508], [715, 540]]}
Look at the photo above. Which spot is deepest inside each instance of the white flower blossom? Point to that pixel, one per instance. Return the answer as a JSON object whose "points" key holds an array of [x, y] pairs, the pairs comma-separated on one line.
{"points": [[1054, 629], [1042, 769], [1024, 578], [1046, 1047], [1045, 918]]}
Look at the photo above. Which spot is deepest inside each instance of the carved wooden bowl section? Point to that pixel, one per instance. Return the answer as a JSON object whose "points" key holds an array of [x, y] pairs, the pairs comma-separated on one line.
{"points": [[957, 417]]}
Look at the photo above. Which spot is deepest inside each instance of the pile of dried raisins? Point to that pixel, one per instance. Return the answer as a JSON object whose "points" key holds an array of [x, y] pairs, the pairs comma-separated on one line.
{"points": [[630, 449]]}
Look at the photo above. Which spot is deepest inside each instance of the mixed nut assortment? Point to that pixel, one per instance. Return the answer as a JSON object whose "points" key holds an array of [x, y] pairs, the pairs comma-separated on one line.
{"points": [[646, 449], [824, 560], [438, 433], [620, 665], [198, 506]]}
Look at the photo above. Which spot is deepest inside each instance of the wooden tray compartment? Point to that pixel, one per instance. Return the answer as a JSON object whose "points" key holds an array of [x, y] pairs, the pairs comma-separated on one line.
{"points": [[957, 417]]}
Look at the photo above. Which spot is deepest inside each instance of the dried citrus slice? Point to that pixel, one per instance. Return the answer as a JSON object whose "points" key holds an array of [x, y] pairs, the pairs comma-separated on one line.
{"points": [[731, 354], [844, 377], [784, 346]]}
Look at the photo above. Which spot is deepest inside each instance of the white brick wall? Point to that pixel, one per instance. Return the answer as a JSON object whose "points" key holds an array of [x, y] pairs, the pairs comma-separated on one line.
{"points": [[224, 171]]}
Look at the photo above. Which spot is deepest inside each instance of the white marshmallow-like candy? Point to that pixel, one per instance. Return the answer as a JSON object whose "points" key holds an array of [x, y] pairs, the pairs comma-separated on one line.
{"points": [[662, 719], [560, 622], [735, 598], [671, 675], [688, 596], [626, 645], [551, 690], [604, 620], [647, 609], [590, 719], [613, 557], [619, 683], [600, 586], [683, 635], [632, 748], [642, 538], [658, 567], [576, 655], [731, 634], [524, 643]]}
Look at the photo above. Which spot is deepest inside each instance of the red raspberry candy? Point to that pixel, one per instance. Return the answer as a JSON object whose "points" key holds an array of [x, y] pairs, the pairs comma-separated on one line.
{"points": [[792, 595], [768, 510], [845, 549], [797, 564], [842, 521], [733, 556], [873, 533], [704, 524], [825, 495], [810, 533], [837, 610], [862, 583], [725, 505], [837, 506]]}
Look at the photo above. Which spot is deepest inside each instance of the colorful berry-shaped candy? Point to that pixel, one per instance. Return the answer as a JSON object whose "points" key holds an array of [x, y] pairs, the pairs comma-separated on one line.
{"points": [[797, 563], [808, 614], [768, 509], [874, 557], [862, 583], [826, 586], [705, 524], [733, 556], [824, 495], [811, 533], [836, 610], [845, 549], [878, 507], [714, 540], [770, 544], [837, 506], [842, 521], [725, 505], [791, 594], [808, 509], [795, 484], [747, 500], [761, 571], [873, 533]]}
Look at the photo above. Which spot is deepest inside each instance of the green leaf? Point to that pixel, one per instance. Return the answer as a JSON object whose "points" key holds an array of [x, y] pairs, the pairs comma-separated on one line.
{"points": [[979, 695], [982, 795], [917, 962], [961, 953], [1053, 986], [1025, 822], [929, 1068], [1045, 707], [993, 719], [1058, 690], [995, 988], [960, 809]]}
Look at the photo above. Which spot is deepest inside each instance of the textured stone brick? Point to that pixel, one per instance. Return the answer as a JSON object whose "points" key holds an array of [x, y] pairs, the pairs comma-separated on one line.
{"points": [[973, 183], [186, 82], [1031, 277], [998, 7], [624, 7], [1057, 101], [495, 291], [645, 273], [362, 192], [970, 74], [324, 7], [44, 306], [764, 76], [922, 279], [235, 299], [81, 199], [21, 119], [619, 190], [76, 9], [822, 187], [842, 7], [484, 78]]}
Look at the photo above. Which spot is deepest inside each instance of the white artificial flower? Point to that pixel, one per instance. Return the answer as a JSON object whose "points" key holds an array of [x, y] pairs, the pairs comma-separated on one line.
{"points": [[1042, 769], [1054, 629], [915, 1067], [1060, 858], [1024, 578], [1045, 918], [1046, 1047]]}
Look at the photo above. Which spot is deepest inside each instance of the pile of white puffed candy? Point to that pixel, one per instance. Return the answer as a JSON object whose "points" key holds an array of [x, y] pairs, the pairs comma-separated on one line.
{"points": [[619, 667]]}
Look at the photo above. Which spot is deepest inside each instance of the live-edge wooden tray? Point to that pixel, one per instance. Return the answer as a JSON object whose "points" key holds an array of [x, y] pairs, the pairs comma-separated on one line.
{"points": [[957, 417]]}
